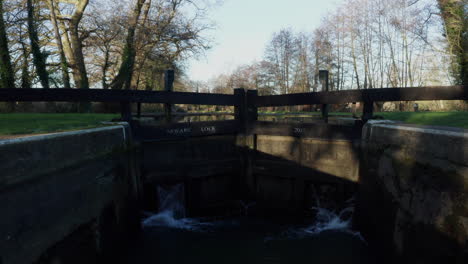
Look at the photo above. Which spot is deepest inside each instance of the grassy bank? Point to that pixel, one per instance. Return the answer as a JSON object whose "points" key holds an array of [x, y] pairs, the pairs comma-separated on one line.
{"points": [[16, 124], [454, 119]]}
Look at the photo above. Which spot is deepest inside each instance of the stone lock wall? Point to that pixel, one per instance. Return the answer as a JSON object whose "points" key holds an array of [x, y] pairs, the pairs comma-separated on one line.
{"points": [[414, 191], [63, 188], [209, 167], [293, 172]]}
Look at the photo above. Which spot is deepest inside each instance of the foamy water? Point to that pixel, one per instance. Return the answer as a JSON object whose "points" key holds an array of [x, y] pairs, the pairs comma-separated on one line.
{"points": [[172, 215], [328, 239], [167, 219], [328, 220], [172, 211]]}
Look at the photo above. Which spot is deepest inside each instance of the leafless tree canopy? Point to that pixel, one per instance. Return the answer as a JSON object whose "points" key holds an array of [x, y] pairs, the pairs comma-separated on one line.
{"points": [[100, 43], [364, 44], [127, 44]]}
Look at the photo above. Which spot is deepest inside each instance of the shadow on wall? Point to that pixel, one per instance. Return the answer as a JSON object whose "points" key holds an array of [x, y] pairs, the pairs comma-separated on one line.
{"points": [[279, 172]]}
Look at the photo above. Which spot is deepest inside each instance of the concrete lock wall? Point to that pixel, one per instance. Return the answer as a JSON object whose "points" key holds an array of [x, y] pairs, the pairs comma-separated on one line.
{"points": [[279, 172], [56, 186], [62, 189], [414, 191], [293, 172], [210, 168]]}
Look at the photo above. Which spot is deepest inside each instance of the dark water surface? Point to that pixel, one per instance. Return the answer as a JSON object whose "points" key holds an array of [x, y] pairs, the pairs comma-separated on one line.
{"points": [[246, 240]]}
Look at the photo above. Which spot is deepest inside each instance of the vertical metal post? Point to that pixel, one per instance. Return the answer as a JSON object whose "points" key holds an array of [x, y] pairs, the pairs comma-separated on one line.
{"points": [[168, 87], [324, 80]]}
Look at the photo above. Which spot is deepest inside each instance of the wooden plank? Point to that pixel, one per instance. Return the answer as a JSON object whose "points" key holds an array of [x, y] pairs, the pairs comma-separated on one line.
{"points": [[304, 130], [185, 130], [133, 96], [100, 95], [374, 95]]}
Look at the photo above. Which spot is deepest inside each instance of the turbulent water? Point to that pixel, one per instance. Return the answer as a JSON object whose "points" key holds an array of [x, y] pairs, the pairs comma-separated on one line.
{"points": [[170, 237]]}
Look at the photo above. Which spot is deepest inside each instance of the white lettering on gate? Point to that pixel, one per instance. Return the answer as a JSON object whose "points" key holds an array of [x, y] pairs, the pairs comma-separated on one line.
{"points": [[210, 129], [179, 131], [298, 130]]}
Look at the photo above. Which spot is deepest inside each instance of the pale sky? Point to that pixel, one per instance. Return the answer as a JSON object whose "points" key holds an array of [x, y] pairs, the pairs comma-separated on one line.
{"points": [[244, 27]]}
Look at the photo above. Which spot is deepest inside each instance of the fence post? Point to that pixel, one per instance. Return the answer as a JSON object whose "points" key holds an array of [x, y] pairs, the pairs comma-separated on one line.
{"points": [[138, 110], [324, 80], [368, 110], [246, 113], [252, 110], [126, 111], [168, 87], [239, 110], [353, 109]]}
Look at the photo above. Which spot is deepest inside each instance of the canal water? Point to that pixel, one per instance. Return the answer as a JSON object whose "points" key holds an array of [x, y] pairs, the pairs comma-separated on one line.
{"points": [[169, 237]]}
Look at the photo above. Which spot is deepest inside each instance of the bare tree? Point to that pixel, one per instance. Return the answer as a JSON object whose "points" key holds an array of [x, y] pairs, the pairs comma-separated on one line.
{"points": [[123, 79], [39, 58], [72, 41], [455, 15], [58, 38], [280, 53], [7, 79]]}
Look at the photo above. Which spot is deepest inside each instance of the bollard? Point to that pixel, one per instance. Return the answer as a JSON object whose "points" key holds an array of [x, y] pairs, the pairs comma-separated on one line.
{"points": [[324, 80]]}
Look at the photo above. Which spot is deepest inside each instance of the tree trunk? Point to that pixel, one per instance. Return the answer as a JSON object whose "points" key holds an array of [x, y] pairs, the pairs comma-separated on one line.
{"points": [[456, 27], [7, 78], [39, 59], [77, 46], [105, 67], [25, 76], [67, 48], [123, 79], [58, 38]]}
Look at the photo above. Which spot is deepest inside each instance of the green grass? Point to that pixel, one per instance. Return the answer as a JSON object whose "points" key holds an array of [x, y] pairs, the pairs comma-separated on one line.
{"points": [[451, 119], [16, 124], [454, 119], [305, 113]]}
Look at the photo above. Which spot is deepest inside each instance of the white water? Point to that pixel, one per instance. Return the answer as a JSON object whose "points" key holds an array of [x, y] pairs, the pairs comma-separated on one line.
{"points": [[327, 220], [172, 215], [167, 219], [172, 211]]}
